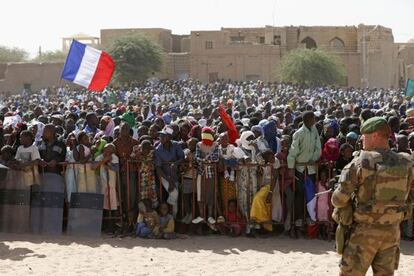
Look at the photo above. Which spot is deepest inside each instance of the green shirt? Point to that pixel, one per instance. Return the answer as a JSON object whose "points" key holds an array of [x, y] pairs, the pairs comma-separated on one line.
{"points": [[306, 147]]}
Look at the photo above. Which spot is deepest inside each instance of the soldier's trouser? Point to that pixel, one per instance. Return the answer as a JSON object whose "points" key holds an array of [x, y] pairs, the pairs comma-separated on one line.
{"points": [[376, 246]]}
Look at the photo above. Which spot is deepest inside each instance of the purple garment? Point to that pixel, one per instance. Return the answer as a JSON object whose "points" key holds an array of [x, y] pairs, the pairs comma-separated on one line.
{"points": [[270, 133]]}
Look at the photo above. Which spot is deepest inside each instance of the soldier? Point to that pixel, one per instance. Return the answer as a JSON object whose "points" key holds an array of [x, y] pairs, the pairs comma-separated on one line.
{"points": [[374, 192]]}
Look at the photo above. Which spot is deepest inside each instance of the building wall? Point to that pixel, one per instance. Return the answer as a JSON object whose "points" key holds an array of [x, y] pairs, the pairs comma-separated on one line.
{"points": [[177, 66], [163, 37], [178, 43], [249, 54], [405, 59], [37, 75], [324, 35], [246, 59], [381, 62]]}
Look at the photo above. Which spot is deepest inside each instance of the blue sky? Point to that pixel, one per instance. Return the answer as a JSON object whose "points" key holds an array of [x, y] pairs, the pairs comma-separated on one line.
{"points": [[29, 24]]}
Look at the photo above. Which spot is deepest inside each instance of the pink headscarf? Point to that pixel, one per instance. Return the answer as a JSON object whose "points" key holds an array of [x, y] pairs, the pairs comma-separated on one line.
{"points": [[109, 129], [330, 150]]}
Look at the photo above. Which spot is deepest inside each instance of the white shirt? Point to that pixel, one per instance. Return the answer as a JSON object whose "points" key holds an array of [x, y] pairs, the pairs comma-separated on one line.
{"points": [[27, 154]]}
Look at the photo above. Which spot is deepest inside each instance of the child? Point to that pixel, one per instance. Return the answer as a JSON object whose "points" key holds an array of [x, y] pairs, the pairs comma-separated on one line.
{"points": [[166, 223], [261, 210], [345, 151], [286, 183], [28, 155], [144, 153], [148, 222], [82, 152], [322, 203], [352, 139], [187, 180], [97, 148], [229, 162], [226, 154], [108, 163], [234, 224], [85, 175], [206, 151], [70, 176]]}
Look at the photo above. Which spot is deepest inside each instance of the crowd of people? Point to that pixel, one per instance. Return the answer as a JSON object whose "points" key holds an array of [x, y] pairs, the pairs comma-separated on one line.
{"points": [[235, 158]]}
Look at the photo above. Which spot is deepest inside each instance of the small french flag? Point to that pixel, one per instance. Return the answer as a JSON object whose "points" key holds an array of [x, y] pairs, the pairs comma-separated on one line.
{"points": [[88, 67], [310, 196]]}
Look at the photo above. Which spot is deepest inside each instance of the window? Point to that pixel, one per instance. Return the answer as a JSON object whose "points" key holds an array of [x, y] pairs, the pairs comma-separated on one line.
{"points": [[261, 39], [337, 44], [209, 44], [277, 40], [309, 43]]}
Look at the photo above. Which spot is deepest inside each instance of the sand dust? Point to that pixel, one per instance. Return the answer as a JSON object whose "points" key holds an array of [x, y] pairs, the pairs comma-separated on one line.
{"points": [[208, 255]]}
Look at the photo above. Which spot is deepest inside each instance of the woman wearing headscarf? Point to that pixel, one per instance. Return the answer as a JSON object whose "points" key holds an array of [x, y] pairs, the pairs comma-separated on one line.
{"points": [[246, 153], [37, 130], [107, 126], [261, 142], [269, 133], [330, 150]]}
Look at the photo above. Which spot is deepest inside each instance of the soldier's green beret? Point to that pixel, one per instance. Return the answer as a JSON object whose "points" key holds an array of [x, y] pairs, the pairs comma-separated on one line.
{"points": [[372, 124]]}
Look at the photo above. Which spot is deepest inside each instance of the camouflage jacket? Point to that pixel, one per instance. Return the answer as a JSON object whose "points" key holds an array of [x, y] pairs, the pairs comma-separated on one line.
{"points": [[379, 185]]}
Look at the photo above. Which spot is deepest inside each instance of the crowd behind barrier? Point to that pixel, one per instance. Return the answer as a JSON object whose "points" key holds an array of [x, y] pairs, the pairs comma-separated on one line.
{"points": [[162, 157], [88, 179]]}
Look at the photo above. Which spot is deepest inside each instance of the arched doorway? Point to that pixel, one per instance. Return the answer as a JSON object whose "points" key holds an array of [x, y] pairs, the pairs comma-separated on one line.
{"points": [[309, 43], [337, 44]]}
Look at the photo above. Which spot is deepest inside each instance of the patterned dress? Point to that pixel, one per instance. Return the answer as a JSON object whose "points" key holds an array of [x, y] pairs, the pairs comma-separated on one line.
{"points": [[246, 185], [147, 188]]}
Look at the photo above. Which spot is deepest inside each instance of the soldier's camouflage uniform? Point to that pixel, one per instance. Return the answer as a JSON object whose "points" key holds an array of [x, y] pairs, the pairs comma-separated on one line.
{"points": [[379, 185]]}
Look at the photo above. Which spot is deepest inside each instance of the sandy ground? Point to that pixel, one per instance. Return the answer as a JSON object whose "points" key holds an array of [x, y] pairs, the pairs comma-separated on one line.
{"points": [[209, 255]]}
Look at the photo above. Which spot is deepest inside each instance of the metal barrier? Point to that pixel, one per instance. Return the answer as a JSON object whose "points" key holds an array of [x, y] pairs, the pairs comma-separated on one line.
{"points": [[84, 174], [87, 180], [253, 173]]}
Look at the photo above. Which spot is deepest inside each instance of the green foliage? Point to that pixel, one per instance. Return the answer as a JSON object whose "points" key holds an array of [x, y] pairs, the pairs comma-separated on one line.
{"points": [[12, 54], [312, 67], [136, 58], [51, 56]]}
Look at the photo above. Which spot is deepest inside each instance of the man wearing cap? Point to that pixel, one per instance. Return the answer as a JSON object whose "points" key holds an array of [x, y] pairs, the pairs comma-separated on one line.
{"points": [[168, 156], [377, 189]]}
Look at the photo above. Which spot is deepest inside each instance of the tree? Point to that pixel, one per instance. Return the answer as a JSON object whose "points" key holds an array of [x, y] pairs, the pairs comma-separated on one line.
{"points": [[312, 67], [136, 57], [51, 56], [12, 54]]}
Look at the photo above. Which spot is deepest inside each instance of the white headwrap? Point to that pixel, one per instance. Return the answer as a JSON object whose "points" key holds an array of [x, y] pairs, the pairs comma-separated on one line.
{"points": [[246, 144], [39, 133]]}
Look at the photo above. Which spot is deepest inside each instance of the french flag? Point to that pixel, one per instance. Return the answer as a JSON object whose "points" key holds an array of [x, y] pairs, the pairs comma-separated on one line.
{"points": [[310, 196], [88, 67]]}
